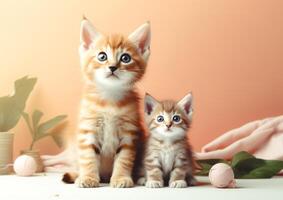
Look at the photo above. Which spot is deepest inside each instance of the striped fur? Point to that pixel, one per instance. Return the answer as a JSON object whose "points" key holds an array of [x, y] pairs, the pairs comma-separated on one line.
{"points": [[168, 156], [109, 128]]}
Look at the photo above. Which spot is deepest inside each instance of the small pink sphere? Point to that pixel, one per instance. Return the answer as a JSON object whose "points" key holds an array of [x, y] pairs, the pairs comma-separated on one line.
{"points": [[25, 165], [221, 175]]}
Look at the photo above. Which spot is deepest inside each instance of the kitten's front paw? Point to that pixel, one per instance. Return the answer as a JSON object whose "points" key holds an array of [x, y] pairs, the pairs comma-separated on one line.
{"points": [[122, 182], [87, 182], [178, 184], [154, 184]]}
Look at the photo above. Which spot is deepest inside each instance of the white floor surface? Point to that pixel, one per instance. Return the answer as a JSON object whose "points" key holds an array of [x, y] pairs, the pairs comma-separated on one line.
{"points": [[49, 186]]}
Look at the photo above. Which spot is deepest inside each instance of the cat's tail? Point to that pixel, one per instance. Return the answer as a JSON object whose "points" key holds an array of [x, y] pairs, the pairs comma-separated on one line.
{"points": [[70, 177]]}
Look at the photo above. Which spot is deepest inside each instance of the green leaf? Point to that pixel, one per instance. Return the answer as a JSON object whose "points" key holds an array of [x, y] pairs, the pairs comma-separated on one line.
{"points": [[58, 139], [9, 114], [11, 107], [211, 162], [239, 157], [246, 166], [269, 169], [23, 87], [27, 120], [44, 127], [36, 116], [243, 162], [275, 165]]}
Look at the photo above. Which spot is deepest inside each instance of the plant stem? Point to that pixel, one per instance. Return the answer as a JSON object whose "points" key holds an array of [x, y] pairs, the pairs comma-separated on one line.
{"points": [[31, 146]]}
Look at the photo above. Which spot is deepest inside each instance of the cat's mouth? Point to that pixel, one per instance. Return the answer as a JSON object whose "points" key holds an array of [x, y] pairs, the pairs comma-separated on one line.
{"points": [[112, 75]]}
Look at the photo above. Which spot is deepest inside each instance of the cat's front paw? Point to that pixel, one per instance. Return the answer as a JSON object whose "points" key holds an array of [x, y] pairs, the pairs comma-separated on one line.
{"points": [[87, 182], [153, 184], [178, 184], [121, 182]]}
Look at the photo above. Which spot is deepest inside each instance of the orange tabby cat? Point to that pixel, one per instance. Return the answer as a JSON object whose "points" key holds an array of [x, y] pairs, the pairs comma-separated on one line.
{"points": [[109, 121]]}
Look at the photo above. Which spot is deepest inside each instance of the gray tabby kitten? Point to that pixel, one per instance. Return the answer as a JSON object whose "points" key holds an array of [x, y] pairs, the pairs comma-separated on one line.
{"points": [[168, 156]]}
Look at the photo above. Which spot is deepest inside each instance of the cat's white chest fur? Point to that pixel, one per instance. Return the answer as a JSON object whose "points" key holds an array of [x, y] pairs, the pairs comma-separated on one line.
{"points": [[167, 157], [109, 143]]}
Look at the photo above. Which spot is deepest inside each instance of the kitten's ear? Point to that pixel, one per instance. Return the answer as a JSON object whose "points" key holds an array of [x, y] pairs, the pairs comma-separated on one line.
{"points": [[88, 35], [141, 38], [149, 104], [187, 105]]}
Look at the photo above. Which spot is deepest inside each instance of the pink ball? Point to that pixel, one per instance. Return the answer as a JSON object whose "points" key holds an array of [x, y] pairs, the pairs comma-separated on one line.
{"points": [[25, 165], [221, 175]]}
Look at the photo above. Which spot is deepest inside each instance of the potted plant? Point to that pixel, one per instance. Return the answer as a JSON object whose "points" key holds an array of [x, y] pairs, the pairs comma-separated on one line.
{"points": [[11, 108], [38, 131]]}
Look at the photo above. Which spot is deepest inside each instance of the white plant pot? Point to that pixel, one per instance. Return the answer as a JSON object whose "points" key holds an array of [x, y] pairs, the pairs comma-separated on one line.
{"points": [[6, 152]]}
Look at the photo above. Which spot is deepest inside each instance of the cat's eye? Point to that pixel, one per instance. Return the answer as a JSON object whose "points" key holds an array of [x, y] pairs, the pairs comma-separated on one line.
{"points": [[125, 58], [102, 56], [160, 118], [176, 118]]}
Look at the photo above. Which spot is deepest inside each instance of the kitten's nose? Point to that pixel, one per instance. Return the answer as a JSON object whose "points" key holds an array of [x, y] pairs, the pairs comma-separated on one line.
{"points": [[113, 68], [169, 125]]}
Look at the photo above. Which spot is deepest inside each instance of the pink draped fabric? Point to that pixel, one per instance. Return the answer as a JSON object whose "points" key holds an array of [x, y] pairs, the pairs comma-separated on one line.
{"points": [[262, 138]]}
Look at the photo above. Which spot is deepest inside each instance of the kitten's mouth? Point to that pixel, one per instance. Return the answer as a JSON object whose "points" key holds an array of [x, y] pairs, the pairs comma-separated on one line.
{"points": [[112, 75]]}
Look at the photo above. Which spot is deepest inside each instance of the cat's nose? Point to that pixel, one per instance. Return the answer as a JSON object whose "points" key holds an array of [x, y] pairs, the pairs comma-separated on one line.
{"points": [[113, 68], [169, 125]]}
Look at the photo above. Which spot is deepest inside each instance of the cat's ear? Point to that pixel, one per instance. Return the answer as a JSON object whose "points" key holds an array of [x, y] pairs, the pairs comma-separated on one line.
{"points": [[150, 104], [186, 104], [141, 38], [88, 35]]}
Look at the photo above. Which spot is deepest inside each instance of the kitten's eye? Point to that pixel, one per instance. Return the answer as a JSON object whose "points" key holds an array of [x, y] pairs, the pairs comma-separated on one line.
{"points": [[176, 118], [160, 118], [125, 58], [102, 56]]}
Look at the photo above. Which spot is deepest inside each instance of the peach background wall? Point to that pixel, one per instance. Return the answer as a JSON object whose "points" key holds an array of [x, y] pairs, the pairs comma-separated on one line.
{"points": [[229, 53]]}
